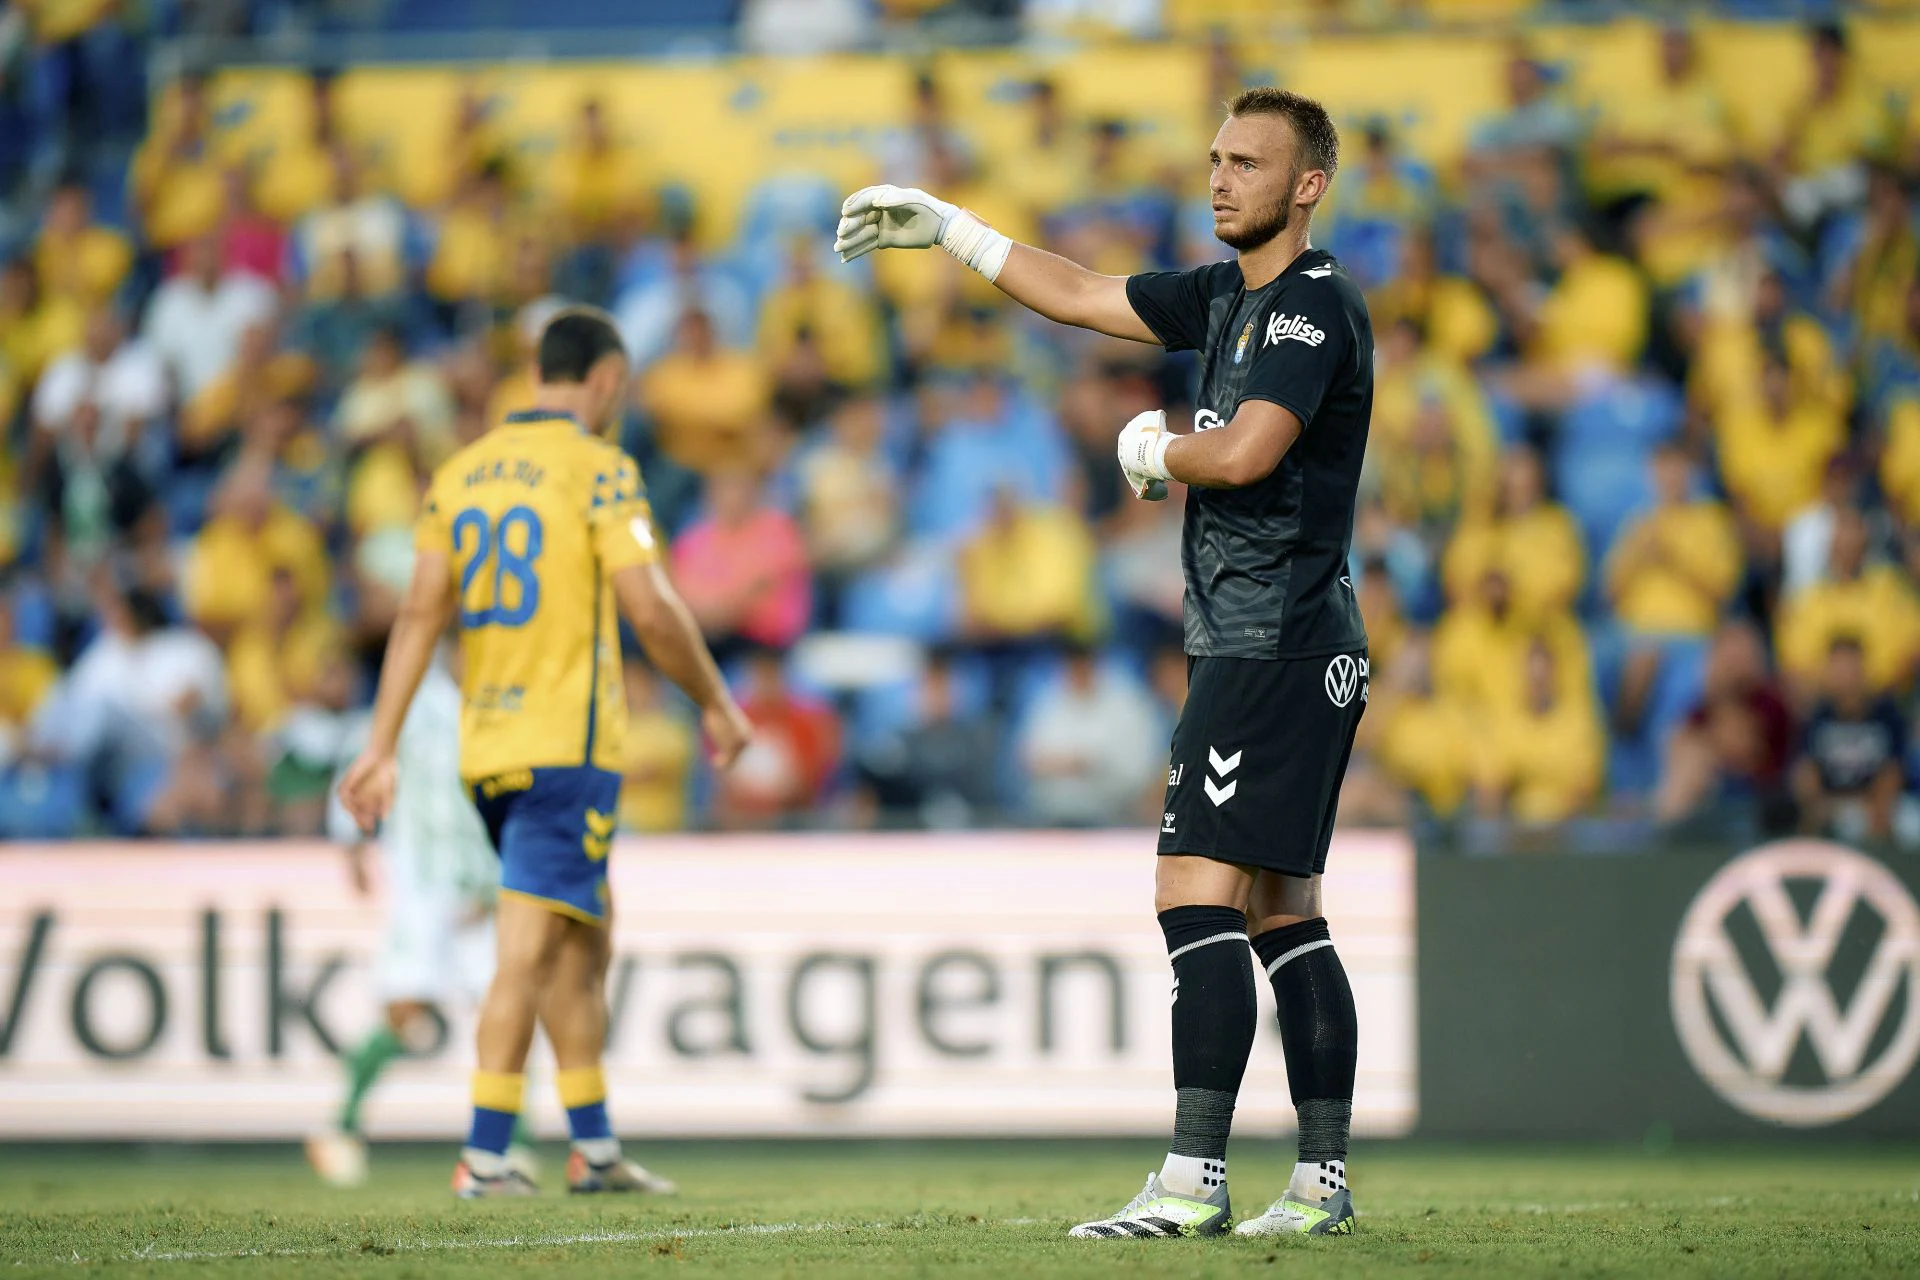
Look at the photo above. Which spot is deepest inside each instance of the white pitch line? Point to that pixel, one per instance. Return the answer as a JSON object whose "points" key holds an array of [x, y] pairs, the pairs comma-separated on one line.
{"points": [[510, 1242]]}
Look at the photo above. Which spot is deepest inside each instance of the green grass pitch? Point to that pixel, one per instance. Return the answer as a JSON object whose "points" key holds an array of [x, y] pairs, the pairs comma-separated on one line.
{"points": [[962, 1208]]}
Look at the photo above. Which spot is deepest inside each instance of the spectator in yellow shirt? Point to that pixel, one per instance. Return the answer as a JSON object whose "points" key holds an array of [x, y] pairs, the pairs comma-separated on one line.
{"points": [[177, 182], [1872, 603], [849, 494], [605, 198], [1665, 138], [1532, 542], [816, 328], [76, 257], [1421, 739], [259, 376], [598, 183], [1842, 122], [473, 139], [1875, 285], [276, 660], [1540, 761], [1027, 575], [35, 326], [1596, 313], [659, 758], [1774, 451], [1455, 320], [396, 422], [394, 397], [1674, 567], [298, 174], [1435, 452], [1050, 163], [26, 675], [356, 232], [1671, 572], [229, 571], [477, 240], [1730, 361], [708, 405], [1480, 647], [1900, 461]]}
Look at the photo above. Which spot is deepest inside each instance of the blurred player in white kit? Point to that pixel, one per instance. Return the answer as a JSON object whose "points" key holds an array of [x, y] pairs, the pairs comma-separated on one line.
{"points": [[441, 879]]}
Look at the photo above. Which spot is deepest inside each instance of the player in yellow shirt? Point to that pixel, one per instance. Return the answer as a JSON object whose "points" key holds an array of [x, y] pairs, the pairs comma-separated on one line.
{"points": [[530, 537]]}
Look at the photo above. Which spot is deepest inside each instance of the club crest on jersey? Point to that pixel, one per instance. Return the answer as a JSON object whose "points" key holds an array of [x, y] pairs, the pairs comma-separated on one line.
{"points": [[1246, 337], [1292, 329]]}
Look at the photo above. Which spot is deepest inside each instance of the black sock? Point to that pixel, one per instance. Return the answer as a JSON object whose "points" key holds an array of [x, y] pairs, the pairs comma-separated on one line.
{"points": [[1213, 1024], [1318, 1029]]}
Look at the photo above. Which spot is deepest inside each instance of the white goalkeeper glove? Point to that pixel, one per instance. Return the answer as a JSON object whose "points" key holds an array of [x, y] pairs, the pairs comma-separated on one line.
{"points": [[1143, 454], [908, 218]]}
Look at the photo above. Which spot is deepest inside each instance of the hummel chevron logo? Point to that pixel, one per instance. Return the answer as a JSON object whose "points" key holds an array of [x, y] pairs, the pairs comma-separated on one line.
{"points": [[1222, 765]]}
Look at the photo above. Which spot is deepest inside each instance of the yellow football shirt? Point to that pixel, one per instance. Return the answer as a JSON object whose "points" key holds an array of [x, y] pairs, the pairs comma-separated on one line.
{"points": [[534, 516]]}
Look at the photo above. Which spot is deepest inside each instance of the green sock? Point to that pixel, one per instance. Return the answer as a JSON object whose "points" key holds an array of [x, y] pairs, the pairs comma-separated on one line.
{"points": [[364, 1066]]}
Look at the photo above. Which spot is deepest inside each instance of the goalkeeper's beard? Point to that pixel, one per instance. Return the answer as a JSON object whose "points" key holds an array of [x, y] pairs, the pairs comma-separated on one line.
{"points": [[1247, 239]]}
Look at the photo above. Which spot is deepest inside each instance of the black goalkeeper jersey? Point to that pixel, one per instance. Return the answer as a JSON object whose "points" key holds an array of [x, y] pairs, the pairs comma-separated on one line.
{"points": [[1266, 566]]}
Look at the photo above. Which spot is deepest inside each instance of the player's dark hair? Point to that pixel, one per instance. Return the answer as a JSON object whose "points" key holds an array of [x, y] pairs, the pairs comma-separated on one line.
{"points": [[146, 611], [1319, 140], [574, 341]]}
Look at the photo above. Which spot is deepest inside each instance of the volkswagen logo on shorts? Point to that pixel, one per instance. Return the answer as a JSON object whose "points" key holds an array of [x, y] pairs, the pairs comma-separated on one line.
{"points": [[1344, 675], [1800, 943]]}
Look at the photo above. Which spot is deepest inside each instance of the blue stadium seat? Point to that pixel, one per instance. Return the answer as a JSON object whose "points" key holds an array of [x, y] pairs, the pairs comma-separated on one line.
{"points": [[1601, 485], [34, 617], [888, 708], [967, 461], [1635, 762], [41, 802], [913, 595], [1641, 411], [781, 207], [558, 15]]}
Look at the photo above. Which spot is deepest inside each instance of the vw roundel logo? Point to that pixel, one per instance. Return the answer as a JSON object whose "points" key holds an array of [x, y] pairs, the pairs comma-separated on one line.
{"points": [[1343, 679], [1805, 952]]}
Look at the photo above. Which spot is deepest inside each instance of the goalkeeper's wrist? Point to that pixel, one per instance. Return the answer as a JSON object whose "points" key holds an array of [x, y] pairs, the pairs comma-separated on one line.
{"points": [[1154, 455], [975, 243]]}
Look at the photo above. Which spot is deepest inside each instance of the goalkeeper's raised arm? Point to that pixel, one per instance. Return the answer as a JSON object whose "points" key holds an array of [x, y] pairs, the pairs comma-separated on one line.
{"points": [[887, 217]]}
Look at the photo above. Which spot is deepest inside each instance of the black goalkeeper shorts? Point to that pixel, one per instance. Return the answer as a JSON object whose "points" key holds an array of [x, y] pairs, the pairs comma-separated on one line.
{"points": [[1258, 758]]}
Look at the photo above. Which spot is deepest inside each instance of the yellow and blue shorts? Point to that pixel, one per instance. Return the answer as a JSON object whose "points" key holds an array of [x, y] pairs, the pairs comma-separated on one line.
{"points": [[553, 829]]}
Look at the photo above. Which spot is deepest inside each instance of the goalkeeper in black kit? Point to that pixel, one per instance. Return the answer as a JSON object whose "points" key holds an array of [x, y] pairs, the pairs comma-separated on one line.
{"points": [[1277, 653]]}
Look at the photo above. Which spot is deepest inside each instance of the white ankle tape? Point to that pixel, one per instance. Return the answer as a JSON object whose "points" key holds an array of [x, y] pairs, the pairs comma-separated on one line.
{"points": [[976, 244]]}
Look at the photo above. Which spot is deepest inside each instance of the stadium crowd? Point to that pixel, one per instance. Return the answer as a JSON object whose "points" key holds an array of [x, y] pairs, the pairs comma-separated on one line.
{"points": [[1638, 538]]}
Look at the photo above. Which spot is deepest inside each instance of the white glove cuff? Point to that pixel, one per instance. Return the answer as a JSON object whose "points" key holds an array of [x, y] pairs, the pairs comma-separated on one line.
{"points": [[1148, 456], [975, 243], [1157, 456]]}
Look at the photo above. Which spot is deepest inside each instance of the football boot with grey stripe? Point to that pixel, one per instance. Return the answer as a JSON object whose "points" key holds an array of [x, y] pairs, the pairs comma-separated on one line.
{"points": [[1290, 1216], [1158, 1214]]}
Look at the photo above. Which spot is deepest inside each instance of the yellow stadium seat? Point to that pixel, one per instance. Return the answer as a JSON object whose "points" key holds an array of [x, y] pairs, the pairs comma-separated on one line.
{"points": [[719, 128]]}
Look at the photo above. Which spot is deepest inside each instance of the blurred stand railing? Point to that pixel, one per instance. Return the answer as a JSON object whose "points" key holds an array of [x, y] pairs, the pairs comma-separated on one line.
{"points": [[346, 32]]}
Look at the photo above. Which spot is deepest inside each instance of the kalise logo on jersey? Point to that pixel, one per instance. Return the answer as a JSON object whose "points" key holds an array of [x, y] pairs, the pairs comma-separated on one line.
{"points": [[1293, 329]]}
